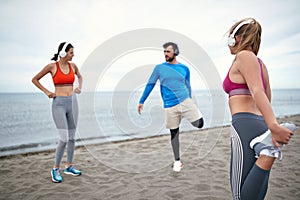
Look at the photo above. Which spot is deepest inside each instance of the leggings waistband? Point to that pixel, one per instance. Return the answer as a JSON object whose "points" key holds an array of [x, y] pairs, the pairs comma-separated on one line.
{"points": [[246, 115], [66, 97]]}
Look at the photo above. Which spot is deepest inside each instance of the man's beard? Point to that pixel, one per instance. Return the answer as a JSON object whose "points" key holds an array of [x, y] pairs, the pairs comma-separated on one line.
{"points": [[169, 59]]}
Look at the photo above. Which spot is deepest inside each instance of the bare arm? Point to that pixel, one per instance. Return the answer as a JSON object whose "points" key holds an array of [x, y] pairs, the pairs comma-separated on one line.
{"points": [[250, 70], [78, 89], [41, 74]]}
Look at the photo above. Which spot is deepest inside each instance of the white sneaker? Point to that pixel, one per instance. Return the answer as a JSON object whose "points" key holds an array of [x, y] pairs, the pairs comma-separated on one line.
{"points": [[177, 166], [290, 126], [263, 145]]}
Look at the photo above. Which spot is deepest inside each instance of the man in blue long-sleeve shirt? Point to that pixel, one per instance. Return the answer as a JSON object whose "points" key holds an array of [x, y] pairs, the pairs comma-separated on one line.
{"points": [[176, 93]]}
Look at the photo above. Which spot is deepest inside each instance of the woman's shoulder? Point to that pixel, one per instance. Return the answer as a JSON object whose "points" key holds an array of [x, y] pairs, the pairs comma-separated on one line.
{"points": [[245, 56], [73, 64], [51, 66]]}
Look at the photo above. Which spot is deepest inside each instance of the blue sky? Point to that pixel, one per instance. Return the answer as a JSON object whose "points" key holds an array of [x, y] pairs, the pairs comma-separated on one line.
{"points": [[30, 32]]}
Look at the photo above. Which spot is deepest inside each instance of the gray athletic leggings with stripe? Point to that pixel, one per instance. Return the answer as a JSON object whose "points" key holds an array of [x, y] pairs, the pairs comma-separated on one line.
{"points": [[248, 181], [65, 116]]}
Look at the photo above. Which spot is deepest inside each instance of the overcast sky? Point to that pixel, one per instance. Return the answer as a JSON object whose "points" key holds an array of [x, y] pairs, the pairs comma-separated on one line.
{"points": [[30, 32]]}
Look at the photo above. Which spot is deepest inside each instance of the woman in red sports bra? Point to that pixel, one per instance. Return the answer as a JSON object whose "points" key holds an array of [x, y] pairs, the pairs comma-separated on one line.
{"points": [[64, 105], [256, 137], [65, 69]]}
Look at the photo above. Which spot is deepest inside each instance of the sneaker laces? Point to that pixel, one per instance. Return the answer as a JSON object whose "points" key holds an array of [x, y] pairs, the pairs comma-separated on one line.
{"points": [[57, 172], [70, 168]]}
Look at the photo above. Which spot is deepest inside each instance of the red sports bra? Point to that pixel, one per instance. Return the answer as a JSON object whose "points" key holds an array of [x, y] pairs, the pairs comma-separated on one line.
{"points": [[61, 78], [240, 89]]}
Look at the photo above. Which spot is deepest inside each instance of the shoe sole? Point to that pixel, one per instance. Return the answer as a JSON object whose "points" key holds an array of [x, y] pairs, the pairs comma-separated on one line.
{"points": [[176, 170], [70, 173], [258, 138]]}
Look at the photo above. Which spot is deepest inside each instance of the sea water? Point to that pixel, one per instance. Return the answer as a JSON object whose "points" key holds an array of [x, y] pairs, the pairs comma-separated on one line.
{"points": [[27, 124]]}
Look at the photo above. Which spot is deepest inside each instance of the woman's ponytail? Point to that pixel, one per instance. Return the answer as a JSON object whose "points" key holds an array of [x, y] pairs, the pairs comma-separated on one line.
{"points": [[55, 57]]}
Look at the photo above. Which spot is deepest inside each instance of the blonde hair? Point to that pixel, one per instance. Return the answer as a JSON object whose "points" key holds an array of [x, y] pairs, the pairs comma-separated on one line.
{"points": [[249, 34]]}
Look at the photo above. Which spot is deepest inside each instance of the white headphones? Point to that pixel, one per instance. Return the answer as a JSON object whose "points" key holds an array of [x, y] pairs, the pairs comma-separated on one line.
{"points": [[63, 52], [231, 39]]}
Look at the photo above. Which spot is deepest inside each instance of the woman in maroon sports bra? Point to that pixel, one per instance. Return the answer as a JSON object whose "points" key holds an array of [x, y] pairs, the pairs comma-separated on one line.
{"points": [[256, 137], [64, 105]]}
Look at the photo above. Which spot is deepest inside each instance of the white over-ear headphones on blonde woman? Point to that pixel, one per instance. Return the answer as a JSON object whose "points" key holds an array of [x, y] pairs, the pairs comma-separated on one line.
{"points": [[231, 39], [63, 52]]}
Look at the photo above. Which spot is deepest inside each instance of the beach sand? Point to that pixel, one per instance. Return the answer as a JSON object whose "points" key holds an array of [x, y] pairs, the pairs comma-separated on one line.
{"points": [[141, 169]]}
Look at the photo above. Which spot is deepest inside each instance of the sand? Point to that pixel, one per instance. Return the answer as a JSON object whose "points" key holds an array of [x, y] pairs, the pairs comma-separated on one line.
{"points": [[141, 169]]}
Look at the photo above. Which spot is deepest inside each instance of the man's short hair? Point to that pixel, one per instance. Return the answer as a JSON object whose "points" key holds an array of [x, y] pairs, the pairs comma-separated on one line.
{"points": [[174, 46]]}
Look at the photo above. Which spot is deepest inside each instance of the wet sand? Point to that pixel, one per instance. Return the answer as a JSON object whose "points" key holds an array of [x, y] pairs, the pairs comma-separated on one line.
{"points": [[140, 169]]}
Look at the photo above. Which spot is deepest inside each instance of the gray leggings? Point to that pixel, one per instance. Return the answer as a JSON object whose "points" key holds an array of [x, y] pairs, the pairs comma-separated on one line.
{"points": [[175, 137], [248, 181], [65, 116]]}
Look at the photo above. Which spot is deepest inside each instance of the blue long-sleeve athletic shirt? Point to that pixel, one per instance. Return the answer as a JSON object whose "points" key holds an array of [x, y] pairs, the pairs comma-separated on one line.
{"points": [[174, 83]]}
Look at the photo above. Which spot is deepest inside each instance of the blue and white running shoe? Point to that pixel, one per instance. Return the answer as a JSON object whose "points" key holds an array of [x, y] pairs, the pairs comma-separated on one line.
{"points": [[71, 170], [55, 174], [263, 145]]}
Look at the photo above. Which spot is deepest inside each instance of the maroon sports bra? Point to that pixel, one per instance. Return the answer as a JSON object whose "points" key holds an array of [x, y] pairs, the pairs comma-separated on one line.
{"points": [[240, 89]]}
